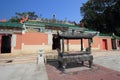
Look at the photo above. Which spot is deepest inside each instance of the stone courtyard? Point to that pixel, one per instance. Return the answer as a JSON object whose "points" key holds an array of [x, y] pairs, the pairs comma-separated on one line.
{"points": [[106, 67]]}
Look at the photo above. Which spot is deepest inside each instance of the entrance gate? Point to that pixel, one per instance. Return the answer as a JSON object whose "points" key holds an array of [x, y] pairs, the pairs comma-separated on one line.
{"points": [[6, 44]]}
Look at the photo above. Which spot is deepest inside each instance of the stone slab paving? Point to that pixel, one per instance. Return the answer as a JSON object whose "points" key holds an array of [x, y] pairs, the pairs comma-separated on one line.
{"points": [[29, 71]]}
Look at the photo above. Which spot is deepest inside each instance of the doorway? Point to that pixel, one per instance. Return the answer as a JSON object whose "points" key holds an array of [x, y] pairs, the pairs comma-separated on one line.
{"points": [[6, 44], [104, 44], [56, 42], [114, 44]]}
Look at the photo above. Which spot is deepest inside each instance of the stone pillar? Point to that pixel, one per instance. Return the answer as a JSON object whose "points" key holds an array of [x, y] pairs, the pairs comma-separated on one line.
{"points": [[41, 56]]}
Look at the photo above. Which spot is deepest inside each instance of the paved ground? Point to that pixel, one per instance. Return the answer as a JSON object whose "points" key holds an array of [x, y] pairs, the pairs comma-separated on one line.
{"points": [[109, 59], [106, 67], [105, 53], [112, 61], [97, 73], [29, 71], [22, 67]]}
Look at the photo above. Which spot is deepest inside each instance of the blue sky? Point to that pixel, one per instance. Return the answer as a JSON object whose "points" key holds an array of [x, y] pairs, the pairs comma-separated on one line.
{"points": [[69, 9]]}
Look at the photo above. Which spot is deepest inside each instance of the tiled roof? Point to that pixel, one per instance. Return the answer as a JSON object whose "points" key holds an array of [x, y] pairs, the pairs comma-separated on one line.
{"points": [[61, 25], [115, 37], [35, 24], [112, 36], [43, 24], [102, 34], [10, 24], [46, 24]]}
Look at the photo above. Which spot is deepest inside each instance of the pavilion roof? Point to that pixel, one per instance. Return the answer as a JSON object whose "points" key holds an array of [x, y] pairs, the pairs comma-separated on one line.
{"points": [[76, 35]]}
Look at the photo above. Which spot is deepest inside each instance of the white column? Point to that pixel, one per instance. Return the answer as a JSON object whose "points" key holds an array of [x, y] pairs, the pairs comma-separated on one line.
{"points": [[13, 43], [50, 38]]}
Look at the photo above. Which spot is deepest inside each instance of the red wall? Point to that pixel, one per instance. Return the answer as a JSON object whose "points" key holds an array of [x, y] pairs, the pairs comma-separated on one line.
{"points": [[34, 38], [96, 42], [74, 42], [85, 42], [37, 38]]}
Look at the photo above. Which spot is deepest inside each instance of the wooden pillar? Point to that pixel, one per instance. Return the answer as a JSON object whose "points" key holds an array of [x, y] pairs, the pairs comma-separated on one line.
{"points": [[81, 44], [67, 44]]}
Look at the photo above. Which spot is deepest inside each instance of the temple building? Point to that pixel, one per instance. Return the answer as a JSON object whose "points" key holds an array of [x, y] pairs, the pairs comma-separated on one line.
{"points": [[30, 36]]}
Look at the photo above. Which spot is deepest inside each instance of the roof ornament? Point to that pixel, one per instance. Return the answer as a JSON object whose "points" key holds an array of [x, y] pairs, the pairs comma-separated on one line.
{"points": [[3, 20], [24, 19]]}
